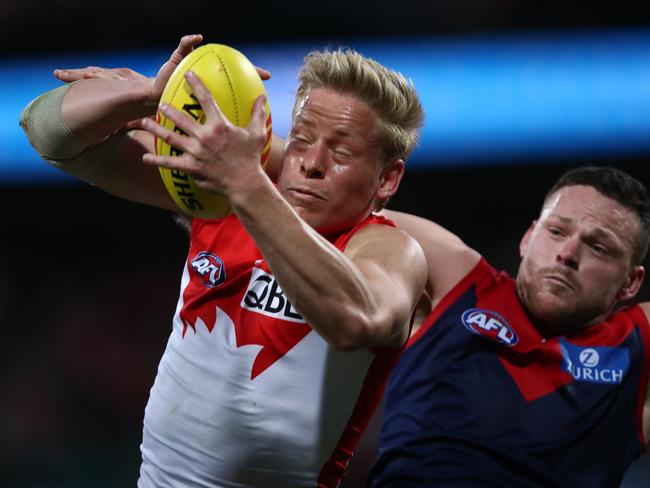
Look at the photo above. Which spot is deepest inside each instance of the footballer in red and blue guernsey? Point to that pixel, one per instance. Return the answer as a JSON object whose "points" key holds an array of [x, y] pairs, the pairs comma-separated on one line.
{"points": [[537, 381]]}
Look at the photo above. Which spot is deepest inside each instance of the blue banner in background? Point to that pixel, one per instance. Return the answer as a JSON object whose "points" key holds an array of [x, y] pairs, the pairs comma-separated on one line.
{"points": [[487, 99]]}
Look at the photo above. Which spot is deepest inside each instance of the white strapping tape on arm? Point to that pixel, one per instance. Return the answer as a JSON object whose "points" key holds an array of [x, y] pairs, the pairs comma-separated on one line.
{"points": [[54, 141]]}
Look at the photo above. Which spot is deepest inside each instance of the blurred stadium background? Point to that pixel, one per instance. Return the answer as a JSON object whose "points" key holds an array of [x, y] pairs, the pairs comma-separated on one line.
{"points": [[515, 93]]}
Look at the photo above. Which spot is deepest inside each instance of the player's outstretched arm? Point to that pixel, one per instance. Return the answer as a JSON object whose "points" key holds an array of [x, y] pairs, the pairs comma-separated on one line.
{"points": [[89, 127], [362, 297], [449, 259]]}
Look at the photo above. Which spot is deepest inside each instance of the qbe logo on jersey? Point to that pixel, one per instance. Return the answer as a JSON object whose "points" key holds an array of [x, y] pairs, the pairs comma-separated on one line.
{"points": [[490, 325], [595, 364], [209, 268], [265, 296]]}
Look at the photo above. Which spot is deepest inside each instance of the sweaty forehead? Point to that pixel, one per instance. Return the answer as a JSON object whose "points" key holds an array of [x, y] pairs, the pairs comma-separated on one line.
{"points": [[586, 206], [336, 109]]}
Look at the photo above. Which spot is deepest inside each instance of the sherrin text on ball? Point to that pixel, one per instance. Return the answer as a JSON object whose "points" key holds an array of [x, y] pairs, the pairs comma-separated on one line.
{"points": [[235, 85]]}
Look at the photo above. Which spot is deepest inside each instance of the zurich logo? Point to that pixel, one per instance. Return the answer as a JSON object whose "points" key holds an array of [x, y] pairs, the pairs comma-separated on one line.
{"points": [[209, 268], [490, 325], [598, 364], [589, 358]]}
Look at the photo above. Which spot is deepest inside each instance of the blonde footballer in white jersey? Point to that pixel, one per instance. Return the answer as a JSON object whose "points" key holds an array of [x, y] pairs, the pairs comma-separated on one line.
{"points": [[292, 309]]}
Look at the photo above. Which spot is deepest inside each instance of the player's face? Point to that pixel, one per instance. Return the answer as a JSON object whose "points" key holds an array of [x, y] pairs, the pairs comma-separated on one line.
{"points": [[576, 259], [331, 171]]}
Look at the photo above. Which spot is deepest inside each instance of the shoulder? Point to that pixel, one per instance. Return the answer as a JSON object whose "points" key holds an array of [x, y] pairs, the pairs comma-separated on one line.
{"points": [[640, 317], [384, 240], [645, 306]]}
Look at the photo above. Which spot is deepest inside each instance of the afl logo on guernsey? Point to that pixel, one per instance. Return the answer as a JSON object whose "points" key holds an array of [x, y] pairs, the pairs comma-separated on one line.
{"points": [[209, 268], [490, 325]]}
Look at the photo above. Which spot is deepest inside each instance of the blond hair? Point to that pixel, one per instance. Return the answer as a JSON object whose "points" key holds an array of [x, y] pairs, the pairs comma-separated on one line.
{"points": [[386, 91]]}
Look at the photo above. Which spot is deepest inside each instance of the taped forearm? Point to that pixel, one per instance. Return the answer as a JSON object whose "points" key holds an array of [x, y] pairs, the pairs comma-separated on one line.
{"points": [[48, 133]]}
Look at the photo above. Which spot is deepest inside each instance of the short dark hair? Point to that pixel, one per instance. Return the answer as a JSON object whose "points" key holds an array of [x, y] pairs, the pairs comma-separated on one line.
{"points": [[617, 185]]}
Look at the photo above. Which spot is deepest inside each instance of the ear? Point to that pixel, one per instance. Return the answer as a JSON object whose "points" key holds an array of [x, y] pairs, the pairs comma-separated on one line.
{"points": [[632, 284], [523, 244], [389, 180]]}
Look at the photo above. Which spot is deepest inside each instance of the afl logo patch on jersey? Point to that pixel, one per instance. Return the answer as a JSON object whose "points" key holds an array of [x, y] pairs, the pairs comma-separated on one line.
{"points": [[595, 364], [490, 325], [209, 268]]}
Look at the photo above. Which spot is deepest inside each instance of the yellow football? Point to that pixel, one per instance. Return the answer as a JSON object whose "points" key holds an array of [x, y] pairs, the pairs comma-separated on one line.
{"points": [[235, 85]]}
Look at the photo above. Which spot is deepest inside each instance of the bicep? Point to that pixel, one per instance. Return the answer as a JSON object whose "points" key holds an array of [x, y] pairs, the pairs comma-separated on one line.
{"points": [[394, 268]]}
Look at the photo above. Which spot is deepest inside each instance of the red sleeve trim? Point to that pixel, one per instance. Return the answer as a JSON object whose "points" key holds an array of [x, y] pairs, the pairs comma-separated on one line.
{"points": [[461, 287], [641, 322], [341, 241]]}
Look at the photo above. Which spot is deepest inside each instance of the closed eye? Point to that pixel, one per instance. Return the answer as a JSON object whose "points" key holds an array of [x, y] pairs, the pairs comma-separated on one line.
{"points": [[299, 138], [600, 249]]}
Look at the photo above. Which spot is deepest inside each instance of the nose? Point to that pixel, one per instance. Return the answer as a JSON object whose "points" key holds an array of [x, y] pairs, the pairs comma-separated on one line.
{"points": [[569, 253], [313, 162]]}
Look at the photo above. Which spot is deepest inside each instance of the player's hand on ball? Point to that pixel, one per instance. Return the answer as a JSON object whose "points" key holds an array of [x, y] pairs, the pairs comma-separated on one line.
{"points": [[186, 45], [96, 72], [228, 86], [157, 84], [220, 156]]}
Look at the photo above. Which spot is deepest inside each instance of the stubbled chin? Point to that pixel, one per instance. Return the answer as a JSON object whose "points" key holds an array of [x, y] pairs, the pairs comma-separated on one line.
{"points": [[548, 306], [560, 315]]}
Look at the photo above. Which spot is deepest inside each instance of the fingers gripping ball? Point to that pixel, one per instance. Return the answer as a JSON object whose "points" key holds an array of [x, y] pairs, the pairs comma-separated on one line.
{"points": [[234, 84]]}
